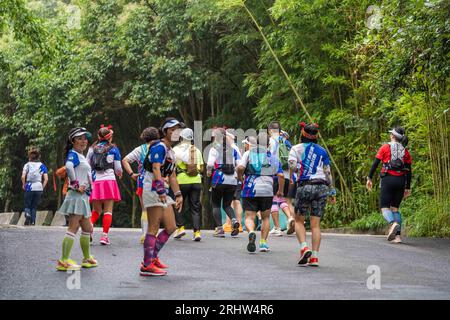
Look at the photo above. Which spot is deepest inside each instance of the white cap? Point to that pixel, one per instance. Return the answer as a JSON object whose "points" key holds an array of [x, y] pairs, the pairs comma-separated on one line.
{"points": [[396, 134], [172, 123], [187, 134]]}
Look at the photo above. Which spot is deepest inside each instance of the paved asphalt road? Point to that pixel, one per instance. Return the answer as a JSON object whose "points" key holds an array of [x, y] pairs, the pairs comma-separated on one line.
{"points": [[222, 269]]}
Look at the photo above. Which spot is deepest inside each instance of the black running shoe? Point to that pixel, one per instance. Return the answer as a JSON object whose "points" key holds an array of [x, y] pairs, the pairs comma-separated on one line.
{"points": [[251, 247]]}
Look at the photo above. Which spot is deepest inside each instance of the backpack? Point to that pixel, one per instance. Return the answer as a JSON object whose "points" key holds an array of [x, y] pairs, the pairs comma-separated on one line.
{"points": [[284, 155], [192, 168], [258, 164], [227, 168], [396, 163], [99, 158], [166, 168], [144, 150]]}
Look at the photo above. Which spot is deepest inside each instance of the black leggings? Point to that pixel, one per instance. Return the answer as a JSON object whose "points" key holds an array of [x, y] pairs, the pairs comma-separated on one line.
{"points": [[223, 192], [191, 193], [392, 191]]}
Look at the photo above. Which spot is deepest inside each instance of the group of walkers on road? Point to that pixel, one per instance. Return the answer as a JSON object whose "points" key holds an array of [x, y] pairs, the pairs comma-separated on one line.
{"points": [[267, 176]]}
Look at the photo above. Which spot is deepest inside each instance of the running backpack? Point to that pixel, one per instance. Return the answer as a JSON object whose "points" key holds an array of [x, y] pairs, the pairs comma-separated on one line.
{"points": [[284, 155], [192, 168], [99, 158], [258, 164], [227, 168], [166, 168], [396, 163]]}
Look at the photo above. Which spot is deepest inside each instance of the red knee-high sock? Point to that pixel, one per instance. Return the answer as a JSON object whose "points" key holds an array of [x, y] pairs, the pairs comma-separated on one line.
{"points": [[94, 217], [107, 220]]}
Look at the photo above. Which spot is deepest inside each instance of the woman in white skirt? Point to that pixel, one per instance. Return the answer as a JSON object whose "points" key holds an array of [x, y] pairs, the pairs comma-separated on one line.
{"points": [[76, 203], [159, 164]]}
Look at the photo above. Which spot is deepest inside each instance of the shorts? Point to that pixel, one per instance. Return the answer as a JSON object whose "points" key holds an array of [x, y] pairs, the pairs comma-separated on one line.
{"points": [[392, 191], [151, 199], [311, 199], [257, 204], [285, 188]]}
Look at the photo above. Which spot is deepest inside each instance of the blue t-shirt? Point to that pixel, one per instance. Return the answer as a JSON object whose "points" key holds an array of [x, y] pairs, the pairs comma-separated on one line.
{"points": [[159, 153], [312, 159]]}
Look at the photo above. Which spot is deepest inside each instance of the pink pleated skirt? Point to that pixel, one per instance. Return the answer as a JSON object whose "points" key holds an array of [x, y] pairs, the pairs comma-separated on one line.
{"points": [[105, 190]]}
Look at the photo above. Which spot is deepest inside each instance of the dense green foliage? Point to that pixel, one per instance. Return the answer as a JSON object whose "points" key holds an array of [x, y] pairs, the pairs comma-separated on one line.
{"points": [[357, 73]]}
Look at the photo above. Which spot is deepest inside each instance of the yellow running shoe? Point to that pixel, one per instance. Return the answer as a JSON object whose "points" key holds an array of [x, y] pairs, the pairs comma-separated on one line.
{"points": [[197, 236], [67, 265], [180, 233], [227, 227], [89, 263]]}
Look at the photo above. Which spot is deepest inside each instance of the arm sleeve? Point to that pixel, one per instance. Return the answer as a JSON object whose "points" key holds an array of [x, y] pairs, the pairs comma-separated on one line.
{"points": [[117, 161], [374, 167], [70, 170], [71, 163], [212, 157], [408, 175], [408, 163]]}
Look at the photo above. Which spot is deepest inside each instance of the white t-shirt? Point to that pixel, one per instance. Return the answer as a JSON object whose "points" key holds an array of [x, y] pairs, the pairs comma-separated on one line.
{"points": [[215, 160], [34, 172]]}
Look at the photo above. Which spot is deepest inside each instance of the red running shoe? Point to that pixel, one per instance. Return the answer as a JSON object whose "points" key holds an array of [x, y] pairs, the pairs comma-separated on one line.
{"points": [[313, 262], [304, 256], [159, 264], [151, 270]]}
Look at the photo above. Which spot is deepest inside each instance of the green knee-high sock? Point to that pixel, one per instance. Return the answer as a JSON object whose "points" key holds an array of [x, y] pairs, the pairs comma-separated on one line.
{"points": [[67, 245], [85, 244]]}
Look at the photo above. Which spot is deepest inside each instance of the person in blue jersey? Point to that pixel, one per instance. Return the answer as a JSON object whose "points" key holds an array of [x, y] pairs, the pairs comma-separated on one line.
{"points": [[259, 167], [159, 165], [105, 160], [34, 180], [149, 136], [76, 203], [314, 186], [223, 159], [279, 146]]}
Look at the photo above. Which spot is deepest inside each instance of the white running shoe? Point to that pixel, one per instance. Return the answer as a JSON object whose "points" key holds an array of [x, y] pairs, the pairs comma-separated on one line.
{"points": [[276, 232], [393, 229]]}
